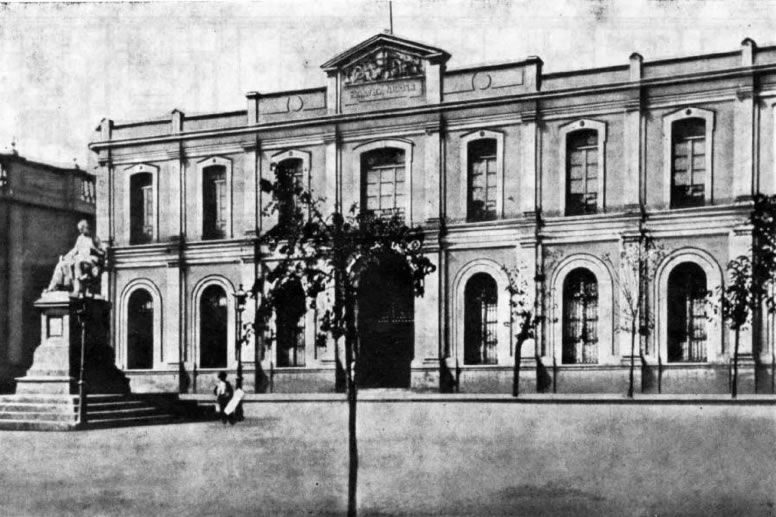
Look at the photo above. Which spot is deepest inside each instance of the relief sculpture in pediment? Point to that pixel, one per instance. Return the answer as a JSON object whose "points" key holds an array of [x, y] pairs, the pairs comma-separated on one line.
{"points": [[383, 65]]}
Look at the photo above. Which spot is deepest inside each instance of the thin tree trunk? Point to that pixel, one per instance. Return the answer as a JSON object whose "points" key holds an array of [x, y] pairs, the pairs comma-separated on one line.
{"points": [[352, 372], [734, 387], [632, 359], [352, 446], [516, 381]]}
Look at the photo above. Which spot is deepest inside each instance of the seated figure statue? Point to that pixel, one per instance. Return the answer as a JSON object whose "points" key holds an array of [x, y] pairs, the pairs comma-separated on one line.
{"points": [[79, 270]]}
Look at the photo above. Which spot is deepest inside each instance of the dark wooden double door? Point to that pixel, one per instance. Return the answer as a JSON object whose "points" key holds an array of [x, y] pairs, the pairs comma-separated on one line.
{"points": [[386, 327]]}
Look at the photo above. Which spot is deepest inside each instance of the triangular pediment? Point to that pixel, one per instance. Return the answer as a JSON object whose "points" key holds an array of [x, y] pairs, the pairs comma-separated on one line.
{"points": [[384, 57]]}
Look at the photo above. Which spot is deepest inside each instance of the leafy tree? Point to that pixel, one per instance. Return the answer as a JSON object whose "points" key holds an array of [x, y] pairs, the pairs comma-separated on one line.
{"points": [[737, 300], [522, 314], [327, 256], [637, 262], [763, 222]]}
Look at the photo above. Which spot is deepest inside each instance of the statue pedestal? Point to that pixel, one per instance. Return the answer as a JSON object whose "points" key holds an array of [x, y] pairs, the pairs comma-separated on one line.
{"points": [[57, 360]]}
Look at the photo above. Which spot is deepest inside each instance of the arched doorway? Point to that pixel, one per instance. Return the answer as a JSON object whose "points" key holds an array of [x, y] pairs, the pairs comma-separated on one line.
{"points": [[386, 309], [213, 327], [687, 314], [140, 327], [481, 320], [289, 322]]}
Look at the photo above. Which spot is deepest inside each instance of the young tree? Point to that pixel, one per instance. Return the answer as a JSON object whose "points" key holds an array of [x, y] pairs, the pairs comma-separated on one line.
{"points": [[763, 222], [737, 301], [328, 255], [522, 314], [637, 262]]}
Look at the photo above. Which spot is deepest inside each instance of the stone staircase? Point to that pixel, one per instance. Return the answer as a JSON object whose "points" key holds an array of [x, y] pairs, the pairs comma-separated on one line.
{"points": [[60, 412]]}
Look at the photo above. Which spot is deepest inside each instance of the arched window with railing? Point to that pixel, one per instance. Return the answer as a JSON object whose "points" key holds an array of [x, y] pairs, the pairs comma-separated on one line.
{"points": [[580, 318], [140, 330], [213, 321], [687, 333], [481, 320]]}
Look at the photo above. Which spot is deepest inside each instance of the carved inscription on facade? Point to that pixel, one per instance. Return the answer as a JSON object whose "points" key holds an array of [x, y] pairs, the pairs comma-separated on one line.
{"points": [[382, 91], [383, 65]]}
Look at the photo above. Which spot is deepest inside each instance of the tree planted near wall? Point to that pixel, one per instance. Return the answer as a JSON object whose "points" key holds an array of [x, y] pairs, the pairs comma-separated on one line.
{"points": [[328, 256], [523, 316], [637, 261]]}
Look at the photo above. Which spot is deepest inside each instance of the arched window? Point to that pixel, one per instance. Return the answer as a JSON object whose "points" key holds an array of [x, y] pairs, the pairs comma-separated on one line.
{"points": [[213, 327], [582, 172], [140, 331], [141, 208], [290, 176], [688, 162], [290, 326], [482, 188], [481, 320], [383, 181], [214, 202], [580, 318], [687, 314]]}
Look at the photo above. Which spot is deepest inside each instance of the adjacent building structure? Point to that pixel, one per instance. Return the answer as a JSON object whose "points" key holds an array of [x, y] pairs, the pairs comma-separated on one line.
{"points": [[504, 166], [40, 206]]}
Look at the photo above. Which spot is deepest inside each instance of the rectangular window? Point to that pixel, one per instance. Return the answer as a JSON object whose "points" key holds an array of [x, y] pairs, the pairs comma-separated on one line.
{"points": [[290, 177], [141, 201], [688, 163], [582, 173], [482, 180], [383, 185], [214, 216]]}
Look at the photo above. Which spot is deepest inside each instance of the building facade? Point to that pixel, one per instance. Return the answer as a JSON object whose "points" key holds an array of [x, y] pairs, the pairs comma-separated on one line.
{"points": [[40, 206], [505, 167]]}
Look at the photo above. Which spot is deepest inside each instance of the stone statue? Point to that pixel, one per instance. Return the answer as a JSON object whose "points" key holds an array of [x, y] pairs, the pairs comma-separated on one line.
{"points": [[79, 270]]}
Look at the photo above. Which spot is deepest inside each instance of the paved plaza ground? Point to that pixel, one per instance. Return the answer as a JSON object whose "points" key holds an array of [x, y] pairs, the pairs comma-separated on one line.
{"points": [[417, 458]]}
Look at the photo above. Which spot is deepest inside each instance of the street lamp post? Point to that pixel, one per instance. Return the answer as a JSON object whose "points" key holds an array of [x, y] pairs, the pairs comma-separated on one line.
{"points": [[240, 297], [81, 312]]}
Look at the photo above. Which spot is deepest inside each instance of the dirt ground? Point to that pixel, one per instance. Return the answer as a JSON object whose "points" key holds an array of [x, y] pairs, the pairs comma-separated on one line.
{"points": [[444, 459]]}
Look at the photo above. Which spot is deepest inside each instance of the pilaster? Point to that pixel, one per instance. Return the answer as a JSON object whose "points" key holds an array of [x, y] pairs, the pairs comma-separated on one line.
{"points": [[333, 170], [433, 173], [173, 307], [530, 188], [633, 138], [251, 168], [174, 209], [744, 149]]}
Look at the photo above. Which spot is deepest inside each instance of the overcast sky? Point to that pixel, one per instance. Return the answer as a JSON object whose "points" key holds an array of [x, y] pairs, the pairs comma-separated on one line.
{"points": [[63, 67]]}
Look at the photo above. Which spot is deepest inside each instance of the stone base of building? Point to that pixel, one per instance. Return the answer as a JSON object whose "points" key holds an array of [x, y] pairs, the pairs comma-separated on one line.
{"points": [[534, 378]]}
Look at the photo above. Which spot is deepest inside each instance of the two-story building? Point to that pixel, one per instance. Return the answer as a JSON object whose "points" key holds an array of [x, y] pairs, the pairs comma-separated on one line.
{"points": [[40, 206], [505, 167]]}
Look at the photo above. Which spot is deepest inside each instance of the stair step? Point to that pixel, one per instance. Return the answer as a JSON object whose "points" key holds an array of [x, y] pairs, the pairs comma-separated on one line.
{"points": [[134, 413], [36, 416], [36, 425], [34, 407], [126, 422]]}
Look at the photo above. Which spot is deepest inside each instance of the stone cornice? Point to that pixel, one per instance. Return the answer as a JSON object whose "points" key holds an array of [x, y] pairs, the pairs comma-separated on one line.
{"points": [[445, 106]]}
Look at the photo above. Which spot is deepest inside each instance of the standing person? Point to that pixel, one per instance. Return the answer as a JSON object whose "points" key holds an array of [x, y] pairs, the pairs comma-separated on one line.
{"points": [[223, 392]]}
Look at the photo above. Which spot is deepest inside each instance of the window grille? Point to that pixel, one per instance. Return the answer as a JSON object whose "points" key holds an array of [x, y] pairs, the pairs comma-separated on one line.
{"points": [[580, 318], [481, 321], [687, 314]]}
